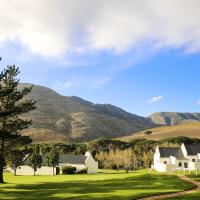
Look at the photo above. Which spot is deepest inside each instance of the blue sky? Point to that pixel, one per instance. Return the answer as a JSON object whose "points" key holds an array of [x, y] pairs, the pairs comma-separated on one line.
{"points": [[143, 60]]}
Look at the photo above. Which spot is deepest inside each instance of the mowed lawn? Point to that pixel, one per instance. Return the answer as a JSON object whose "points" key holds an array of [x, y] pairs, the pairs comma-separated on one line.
{"points": [[106, 185], [193, 196]]}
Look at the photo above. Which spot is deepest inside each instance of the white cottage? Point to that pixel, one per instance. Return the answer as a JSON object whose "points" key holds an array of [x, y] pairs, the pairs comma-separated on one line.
{"points": [[186, 157], [79, 161]]}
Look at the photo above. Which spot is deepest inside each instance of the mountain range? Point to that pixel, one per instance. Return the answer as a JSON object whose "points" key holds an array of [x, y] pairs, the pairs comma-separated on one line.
{"points": [[173, 118], [59, 118]]}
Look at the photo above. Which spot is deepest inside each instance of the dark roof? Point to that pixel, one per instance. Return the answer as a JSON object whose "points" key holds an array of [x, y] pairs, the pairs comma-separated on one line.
{"points": [[192, 149], [44, 160], [171, 151], [64, 159], [72, 159]]}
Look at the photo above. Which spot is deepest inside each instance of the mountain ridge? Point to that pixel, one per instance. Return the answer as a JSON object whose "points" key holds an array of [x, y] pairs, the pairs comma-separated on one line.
{"points": [[61, 118], [64, 119], [173, 118]]}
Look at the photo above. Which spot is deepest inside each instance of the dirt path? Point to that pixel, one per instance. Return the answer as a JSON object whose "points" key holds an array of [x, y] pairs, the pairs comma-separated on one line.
{"points": [[182, 177]]}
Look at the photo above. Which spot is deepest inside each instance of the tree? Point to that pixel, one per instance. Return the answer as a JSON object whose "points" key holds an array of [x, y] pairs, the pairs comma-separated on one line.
{"points": [[118, 159], [13, 105], [148, 132], [35, 159], [15, 159], [126, 159], [53, 158]]}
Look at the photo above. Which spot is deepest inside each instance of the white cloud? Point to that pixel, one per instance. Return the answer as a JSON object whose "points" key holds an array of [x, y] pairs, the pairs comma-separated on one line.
{"points": [[53, 28], [155, 99]]}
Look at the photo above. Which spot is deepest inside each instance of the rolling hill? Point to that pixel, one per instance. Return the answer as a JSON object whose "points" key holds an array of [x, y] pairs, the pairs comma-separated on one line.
{"points": [[188, 129], [68, 118]]}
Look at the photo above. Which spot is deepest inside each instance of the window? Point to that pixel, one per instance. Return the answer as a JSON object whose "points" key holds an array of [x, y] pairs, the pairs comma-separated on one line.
{"points": [[180, 164], [165, 162], [193, 160], [185, 165]]}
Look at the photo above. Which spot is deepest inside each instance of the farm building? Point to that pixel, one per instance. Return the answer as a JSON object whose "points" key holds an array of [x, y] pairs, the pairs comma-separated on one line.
{"points": [[79, 161], [186, 157]]}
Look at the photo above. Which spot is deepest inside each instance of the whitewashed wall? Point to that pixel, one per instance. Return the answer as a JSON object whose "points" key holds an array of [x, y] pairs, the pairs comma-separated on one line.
{"points": [[91, 165], [26, 170]]}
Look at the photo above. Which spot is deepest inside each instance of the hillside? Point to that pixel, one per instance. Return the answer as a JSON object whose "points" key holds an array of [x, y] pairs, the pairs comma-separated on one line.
{"points": [[63, 118], [173, 118], [189, 129]]}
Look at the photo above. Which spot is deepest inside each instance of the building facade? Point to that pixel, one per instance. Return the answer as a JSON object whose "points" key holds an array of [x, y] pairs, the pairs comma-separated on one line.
{"points": [[186, 157], [79, 161]]}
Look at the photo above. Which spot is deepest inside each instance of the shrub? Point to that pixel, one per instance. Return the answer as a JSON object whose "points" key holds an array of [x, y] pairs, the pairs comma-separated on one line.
{"points": [[147, 132], [82, 171], [68, 170]]}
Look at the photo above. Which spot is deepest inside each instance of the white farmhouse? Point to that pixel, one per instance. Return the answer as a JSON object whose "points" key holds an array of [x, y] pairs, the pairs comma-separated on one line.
{"points": [[186, 157], [79, 161]]}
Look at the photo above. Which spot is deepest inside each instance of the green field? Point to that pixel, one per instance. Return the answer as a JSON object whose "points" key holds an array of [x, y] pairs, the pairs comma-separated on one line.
{"points": [[106, 185], [193, 196]]}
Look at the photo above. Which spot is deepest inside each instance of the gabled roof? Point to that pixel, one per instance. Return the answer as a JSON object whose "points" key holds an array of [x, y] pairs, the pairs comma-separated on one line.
{"points": [[72, 159], [64, 159], [192, 149], [171, 151]]}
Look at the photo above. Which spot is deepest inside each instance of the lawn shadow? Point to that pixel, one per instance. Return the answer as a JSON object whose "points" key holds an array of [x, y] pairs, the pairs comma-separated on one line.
{"points": [[123, 188]]}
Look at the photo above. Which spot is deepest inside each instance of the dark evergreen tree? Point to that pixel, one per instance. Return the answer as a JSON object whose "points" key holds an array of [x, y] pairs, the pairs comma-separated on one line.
{"points": [[13, 105]]}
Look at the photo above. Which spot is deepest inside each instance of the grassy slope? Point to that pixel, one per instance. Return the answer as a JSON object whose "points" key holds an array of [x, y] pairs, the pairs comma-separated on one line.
{"points": [[118, 186], [190, 129]]}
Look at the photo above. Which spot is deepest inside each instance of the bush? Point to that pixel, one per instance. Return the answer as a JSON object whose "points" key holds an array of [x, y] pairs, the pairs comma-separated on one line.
{"points": [[147, 132], [68, 170], [82, 171]]}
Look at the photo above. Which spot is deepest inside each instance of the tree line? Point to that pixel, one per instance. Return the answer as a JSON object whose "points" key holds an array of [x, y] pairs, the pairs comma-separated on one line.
{"points": [[116, 154], [33, 156]]}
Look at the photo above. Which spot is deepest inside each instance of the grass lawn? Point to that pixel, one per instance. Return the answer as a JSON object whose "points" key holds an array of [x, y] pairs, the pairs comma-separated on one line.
{"points": [[106, 185], [193, 196]]}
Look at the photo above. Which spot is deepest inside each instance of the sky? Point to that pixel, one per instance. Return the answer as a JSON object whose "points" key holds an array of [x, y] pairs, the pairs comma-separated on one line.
{"points": [[140, 55]]}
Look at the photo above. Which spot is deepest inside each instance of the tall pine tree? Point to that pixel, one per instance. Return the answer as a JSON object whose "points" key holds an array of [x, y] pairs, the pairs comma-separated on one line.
{"points": [[13, 104]]}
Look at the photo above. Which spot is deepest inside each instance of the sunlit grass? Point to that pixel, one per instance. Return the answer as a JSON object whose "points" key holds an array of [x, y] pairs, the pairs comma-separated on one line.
{"points": [[105, 185]]}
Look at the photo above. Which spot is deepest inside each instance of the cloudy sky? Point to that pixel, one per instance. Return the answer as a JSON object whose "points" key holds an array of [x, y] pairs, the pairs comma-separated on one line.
{"points": [[141, 55]]}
